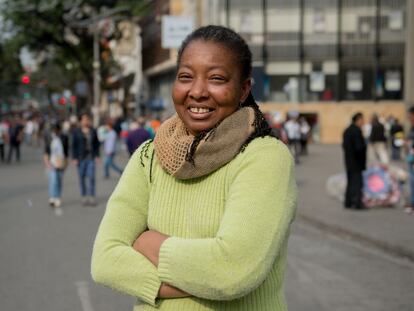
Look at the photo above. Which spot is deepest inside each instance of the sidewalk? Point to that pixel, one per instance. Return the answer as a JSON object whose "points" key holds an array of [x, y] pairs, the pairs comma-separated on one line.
{"points": [[389, 229]]}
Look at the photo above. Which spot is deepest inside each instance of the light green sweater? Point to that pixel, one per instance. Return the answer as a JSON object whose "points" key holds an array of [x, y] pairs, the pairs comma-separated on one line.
{"points": [[228, 231]]}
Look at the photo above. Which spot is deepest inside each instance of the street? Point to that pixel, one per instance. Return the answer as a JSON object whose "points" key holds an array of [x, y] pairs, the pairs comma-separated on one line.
{"points": [[45, 256]]}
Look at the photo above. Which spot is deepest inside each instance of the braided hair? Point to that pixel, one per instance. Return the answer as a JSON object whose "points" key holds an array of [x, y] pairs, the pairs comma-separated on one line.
{"points": [[238, 46]]}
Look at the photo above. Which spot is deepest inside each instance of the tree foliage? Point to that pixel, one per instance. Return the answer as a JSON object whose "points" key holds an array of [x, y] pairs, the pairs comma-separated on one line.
{"points": [[62, 31]]}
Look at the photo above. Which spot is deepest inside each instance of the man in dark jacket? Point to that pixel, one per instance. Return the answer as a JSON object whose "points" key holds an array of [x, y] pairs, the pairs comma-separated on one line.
{"points": [[355, 149], [137, 136], [85, 151]]}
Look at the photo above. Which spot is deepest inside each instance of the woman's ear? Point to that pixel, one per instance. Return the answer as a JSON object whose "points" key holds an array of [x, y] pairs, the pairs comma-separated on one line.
{"points": [[246, 87]]}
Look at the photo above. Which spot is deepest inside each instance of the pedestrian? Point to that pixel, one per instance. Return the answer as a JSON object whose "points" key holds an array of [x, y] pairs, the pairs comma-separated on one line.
{"points": [[377, 148], [29, 129], [292, 128], [15, 138], [55, 159], [85, 153], [110, 148], [304, 135], [3, 139], [355, 149], [137, 136], [397, 139], [201, 196], [409, 208]]}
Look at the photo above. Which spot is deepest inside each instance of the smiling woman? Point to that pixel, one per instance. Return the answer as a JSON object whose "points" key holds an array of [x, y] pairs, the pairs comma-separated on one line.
{"points": [[201, 215]]}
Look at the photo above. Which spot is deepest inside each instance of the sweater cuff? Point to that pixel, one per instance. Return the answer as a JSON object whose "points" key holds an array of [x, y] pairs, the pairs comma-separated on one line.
{"points": [[164, 261], [150, 289]]}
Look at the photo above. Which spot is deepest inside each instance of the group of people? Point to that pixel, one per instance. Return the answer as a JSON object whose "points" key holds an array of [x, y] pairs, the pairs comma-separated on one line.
{"points": [[367, 143], [295, 131], [385, 139], [12, 134], [82, 143]]}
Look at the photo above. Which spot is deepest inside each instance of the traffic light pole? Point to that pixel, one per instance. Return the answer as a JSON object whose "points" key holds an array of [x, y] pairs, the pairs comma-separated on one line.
{"points": [[96, 76]]}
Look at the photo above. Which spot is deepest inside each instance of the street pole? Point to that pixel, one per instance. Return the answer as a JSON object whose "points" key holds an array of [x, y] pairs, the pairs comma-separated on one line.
{"points": [[409, 59], [96, 76]]}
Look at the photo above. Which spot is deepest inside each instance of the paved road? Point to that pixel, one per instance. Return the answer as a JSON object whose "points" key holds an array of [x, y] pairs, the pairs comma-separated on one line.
{"points": [[45, 257]]}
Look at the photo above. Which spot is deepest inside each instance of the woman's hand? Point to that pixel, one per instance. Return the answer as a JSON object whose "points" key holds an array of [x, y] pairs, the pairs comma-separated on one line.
{"points": [[149, 244], [168, 291]]}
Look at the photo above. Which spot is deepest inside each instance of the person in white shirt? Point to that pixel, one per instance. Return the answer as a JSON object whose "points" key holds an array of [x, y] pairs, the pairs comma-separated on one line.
{"points": [[292, 129], [110, 145], [3, 138]]}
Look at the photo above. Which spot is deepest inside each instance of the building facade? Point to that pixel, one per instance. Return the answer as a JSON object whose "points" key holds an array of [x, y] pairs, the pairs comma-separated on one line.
{"points": [[313, 56]]}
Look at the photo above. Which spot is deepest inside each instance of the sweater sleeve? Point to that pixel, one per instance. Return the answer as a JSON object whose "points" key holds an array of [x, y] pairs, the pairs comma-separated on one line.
{"points": [[259, 209], [114, 262]]}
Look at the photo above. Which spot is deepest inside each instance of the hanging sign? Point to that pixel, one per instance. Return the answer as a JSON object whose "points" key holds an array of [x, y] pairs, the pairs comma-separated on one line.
{"points": [[392, 81], [175, 29], [317, 81], [354, 81]]}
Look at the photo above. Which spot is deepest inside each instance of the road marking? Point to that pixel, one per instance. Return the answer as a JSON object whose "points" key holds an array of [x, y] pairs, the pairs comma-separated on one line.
{"points": [[83, 293], [29, 203]]}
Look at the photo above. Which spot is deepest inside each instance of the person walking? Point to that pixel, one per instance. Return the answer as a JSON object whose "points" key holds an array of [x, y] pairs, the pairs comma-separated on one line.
{"points": [[304, 135], [200, 218], [397, 139], [110, 146], [409, 208], [354, 147], [377, 148], [3, 139], [15, 138], [292, 128], [137, 136], [85, 153], [55, 159]]}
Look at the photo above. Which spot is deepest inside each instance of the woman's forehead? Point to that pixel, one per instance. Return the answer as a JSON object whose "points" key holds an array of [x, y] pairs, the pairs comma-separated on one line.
{"points": [[208, 52]]}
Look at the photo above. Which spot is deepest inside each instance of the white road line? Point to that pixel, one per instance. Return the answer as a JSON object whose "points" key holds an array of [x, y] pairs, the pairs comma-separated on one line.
{"points": [[83, 293], [29, 203]]}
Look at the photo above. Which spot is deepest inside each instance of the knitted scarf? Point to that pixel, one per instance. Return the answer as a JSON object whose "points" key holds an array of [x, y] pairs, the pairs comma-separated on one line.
{"points": [[221, 144]]}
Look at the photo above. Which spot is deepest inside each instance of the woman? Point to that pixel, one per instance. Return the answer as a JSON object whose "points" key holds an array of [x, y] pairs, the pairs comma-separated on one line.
{"points": [[200, 217], [56, 152]]}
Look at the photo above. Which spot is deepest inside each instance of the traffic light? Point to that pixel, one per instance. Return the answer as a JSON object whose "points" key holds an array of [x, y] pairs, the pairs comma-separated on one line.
{"points": [[62, 101], [72, 99], [25, 79]]}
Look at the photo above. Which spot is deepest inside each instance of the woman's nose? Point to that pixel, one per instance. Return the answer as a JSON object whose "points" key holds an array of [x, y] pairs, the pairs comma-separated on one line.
{"points": [[198, 90]]}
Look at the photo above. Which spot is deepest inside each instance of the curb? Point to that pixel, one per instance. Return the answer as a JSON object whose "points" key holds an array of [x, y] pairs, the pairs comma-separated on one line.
{"points": [[393, 250]]}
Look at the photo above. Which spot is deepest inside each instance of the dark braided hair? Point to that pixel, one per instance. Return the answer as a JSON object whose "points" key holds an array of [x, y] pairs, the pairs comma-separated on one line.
{"points": [[226, 37], [236, 44]]}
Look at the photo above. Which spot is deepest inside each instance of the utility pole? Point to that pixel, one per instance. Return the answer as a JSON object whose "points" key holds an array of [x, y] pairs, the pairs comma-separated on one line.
{"points": [[409, 56], [96, 76], [92, 23]]}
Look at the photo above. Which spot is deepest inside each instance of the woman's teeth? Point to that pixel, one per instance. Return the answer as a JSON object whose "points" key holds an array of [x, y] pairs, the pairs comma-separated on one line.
{"points": [[199, 110]]}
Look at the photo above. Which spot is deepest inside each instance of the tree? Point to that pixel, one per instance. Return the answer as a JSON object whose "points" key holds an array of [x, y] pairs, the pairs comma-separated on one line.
{"points": [[10, 71], [63, 30]]}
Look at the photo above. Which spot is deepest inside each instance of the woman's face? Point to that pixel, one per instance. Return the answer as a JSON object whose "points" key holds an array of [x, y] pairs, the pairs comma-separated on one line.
{"points": [[208, 86]]}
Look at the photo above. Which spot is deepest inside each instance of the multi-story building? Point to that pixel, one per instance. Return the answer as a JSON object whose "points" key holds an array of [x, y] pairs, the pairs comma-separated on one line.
{"points": [[324, 58]]}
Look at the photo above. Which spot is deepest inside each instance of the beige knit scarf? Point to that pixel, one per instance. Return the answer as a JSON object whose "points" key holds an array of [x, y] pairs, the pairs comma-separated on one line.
{"points": [[173, 142]]}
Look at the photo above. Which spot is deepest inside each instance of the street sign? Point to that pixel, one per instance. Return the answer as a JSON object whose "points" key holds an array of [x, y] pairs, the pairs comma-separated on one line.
{"points": [[175, 29]]}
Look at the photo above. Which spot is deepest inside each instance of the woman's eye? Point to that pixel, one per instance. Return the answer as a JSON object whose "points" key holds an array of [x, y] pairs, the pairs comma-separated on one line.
{"points": [[184, 77], [217, 78]]}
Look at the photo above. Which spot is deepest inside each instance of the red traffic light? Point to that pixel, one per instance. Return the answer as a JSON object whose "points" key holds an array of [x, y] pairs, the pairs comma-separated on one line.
{"points": [[25, 79], [62, 101]]}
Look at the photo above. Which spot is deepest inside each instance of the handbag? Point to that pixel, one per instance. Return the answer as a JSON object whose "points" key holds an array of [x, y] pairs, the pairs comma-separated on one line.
{"points": [[59, 162]]}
